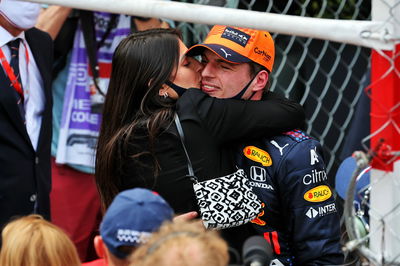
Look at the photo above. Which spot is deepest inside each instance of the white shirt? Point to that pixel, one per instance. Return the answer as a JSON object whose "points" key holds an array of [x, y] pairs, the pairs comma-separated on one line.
{"points": [[32, 84]]}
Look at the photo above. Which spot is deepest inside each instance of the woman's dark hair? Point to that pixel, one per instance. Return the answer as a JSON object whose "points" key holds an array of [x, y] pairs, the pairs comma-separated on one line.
{"points": [[141, 64]]}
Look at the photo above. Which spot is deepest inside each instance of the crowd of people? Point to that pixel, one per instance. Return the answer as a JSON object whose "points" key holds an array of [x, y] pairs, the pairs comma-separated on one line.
{"points": [[111, 129]]}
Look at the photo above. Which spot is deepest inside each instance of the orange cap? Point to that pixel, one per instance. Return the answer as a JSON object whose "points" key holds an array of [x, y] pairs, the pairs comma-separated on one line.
{"points": [[238, 45]]}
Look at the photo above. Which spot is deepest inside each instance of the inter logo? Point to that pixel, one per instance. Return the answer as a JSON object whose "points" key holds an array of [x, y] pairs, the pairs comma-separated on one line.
{"points": [[257, 155]]}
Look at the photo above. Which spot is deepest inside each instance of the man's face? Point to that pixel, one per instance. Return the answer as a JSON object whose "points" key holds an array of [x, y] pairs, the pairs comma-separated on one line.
{"points": [[221, 79]]}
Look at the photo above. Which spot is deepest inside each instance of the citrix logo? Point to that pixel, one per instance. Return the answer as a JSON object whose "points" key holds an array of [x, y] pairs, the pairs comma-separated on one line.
{"points": [[315, 177]]}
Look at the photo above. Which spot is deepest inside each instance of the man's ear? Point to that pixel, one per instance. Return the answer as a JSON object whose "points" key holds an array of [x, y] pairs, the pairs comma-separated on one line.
{"points": [[99, 246], [260, 81]]}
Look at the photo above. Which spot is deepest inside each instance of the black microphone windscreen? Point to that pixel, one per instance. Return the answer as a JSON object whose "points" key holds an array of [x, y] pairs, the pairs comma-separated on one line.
{"points": [[256, 251]]}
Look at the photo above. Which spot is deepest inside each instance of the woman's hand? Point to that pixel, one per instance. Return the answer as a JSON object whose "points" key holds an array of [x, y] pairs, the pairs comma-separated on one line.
{"points": [[186, 216]]}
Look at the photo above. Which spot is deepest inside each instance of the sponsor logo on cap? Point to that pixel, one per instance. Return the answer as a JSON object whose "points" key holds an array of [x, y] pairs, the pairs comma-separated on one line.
{"points": [[263, 53], [257, 155], [236, 36], [132, 236], [226, 54], [318, 194]]}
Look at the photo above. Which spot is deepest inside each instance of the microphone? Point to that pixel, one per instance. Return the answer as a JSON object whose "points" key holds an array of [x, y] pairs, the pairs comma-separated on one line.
{"points": [[256, 252]]}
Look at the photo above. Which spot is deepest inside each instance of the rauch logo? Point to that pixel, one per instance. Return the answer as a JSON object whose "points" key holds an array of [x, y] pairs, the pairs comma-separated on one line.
{"points": [[318, 194], [258, 155]]}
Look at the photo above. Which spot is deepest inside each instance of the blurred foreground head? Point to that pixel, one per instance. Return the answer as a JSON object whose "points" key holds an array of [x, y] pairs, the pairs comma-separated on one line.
{"points": [[33, 241], [181, 244]]}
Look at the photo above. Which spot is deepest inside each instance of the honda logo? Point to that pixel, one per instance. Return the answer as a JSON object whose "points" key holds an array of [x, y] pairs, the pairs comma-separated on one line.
{"points": [[258, 174]]}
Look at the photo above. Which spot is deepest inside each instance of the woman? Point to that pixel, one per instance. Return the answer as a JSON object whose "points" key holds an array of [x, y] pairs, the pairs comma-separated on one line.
{"points": [[138, 143], [33, 241]]}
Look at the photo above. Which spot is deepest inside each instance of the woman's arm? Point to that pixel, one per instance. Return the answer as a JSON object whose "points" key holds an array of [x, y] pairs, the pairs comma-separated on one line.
{"points": [[230, 120]]}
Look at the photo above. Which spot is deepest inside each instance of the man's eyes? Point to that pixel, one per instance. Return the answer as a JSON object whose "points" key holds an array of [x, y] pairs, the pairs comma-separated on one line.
{"points": [[226, 67]]}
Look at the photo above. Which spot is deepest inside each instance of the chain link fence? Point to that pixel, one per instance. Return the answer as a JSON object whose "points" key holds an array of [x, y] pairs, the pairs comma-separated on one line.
{"points": [[326, 77], [333, 82]]}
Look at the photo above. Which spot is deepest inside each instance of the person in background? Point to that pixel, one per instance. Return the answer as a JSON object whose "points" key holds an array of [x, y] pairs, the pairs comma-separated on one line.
{"points": [[182, 244], [131, 218], [33, 241], [25, 112], [84, 43], [287, 171]]}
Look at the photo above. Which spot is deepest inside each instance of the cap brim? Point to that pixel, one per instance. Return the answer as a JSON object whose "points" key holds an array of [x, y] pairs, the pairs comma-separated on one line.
{"points": [[223, 52]]}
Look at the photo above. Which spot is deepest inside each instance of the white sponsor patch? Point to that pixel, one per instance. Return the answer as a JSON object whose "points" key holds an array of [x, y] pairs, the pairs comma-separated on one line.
{"points": [[321, 211], [314, 156]]}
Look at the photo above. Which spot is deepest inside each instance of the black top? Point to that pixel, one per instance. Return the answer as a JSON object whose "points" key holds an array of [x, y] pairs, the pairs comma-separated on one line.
{"points": [[211, 127]]}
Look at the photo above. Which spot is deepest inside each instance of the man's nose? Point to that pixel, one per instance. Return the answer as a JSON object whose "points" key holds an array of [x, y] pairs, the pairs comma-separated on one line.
{"points": [[207, 70]]}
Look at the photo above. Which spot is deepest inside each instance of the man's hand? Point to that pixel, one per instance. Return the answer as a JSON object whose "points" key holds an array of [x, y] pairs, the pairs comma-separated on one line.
{"points": [[51, 19]]}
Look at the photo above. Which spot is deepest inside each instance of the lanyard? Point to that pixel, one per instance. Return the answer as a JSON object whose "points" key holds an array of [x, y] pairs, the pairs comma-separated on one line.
{"points": [[10, 73]]}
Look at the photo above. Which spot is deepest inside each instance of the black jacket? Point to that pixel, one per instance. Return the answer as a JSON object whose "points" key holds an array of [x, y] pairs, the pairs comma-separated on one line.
{"points": [[25, 175], [211, 127]]}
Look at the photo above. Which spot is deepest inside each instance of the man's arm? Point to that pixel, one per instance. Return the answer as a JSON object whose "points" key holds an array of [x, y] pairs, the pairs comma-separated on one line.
{"points": [[231, 120], [52, 18]]}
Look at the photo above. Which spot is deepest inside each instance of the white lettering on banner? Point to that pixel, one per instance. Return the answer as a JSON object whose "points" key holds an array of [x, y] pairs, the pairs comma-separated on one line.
{"points": [[80, 117], [273, 142], [82, 104], [322, 211], [81, 73], [315, 177], [258, 174], [314, 156]]}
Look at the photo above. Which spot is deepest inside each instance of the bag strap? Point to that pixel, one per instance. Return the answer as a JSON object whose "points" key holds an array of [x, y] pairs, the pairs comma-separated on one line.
{"points": [[87, 22], [182, 137]]}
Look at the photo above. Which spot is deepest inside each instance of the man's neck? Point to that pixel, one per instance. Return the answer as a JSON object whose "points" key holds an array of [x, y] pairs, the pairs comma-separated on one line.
{"points": [[256, 96], [14, 31]]}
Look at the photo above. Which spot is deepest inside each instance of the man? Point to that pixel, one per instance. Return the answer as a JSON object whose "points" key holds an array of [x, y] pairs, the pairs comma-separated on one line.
{"points": [[131, 218], [25, 112], [287, 172]]}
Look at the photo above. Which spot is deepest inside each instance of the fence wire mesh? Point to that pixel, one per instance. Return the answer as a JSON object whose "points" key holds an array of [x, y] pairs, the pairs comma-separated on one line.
{"points": [[326, 77], [333, 82]]}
